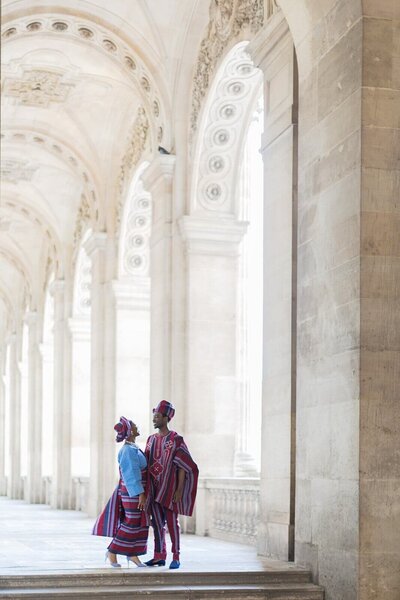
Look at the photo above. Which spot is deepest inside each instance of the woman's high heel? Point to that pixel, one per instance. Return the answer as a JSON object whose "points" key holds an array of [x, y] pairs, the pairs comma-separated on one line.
{"points": [[113, 564], [129, 559]]}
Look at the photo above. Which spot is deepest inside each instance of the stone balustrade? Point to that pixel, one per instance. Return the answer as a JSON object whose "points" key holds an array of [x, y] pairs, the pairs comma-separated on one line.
{"points": [[228, 509]]}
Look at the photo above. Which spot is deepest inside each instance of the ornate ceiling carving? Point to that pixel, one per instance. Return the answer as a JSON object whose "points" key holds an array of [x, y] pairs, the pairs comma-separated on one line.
{"points": [[87, 32], [136, 145], [228, 19], [37, 87], [83, 220]]}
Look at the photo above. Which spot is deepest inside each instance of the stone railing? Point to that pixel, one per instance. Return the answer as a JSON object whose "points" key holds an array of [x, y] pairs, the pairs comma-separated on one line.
{"points": [[228, 509], [46, 489], [79, 492], [80, 488]]}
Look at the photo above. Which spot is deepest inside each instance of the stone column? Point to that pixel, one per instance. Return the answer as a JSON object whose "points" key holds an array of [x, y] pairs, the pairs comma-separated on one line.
{"points": [[273, 52], [157, 180], [34, 433], [212, 249], [132, 305], [61, 477], [103, 472], [79, 327], [14, 485], [3, 449]]}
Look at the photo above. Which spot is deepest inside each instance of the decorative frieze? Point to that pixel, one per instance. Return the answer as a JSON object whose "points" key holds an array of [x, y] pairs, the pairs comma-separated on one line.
{"points": [[137, 141], [136, 237], [223, 127], [82, 219], [228, 18]]}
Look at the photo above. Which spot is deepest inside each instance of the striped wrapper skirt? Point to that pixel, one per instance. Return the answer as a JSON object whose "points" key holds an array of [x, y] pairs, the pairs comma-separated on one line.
{"points": [[131, 535]]}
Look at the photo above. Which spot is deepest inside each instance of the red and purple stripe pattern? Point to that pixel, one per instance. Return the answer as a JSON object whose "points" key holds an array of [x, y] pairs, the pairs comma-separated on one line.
{"points": [[175, 455]]}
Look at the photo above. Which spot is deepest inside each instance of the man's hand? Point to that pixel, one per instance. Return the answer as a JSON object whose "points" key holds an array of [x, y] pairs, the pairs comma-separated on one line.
{"points": [[142, 501], [178, 495], [181, 484]]}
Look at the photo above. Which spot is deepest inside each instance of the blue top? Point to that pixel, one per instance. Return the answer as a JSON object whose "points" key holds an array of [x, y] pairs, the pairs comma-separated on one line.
{"points": [[131, 460]]}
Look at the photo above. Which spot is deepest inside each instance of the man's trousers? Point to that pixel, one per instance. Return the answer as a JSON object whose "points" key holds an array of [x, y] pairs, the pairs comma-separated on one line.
{"points": [[159, 516]]}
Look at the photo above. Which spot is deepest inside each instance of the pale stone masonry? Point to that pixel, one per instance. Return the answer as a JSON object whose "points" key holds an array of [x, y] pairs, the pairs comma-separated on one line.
{"points": [[137, 163]]}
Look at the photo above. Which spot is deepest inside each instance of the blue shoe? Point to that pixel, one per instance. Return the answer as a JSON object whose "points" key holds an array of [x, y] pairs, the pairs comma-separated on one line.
{"points": [[155, 563], [175, 564]]}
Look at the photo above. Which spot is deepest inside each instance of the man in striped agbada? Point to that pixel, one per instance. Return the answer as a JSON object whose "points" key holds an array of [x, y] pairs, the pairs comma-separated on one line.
{"points": [[171, 484]]}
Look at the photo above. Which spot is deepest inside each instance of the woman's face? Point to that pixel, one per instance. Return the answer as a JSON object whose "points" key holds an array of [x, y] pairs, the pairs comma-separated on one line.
{"points": [[134, 430]]}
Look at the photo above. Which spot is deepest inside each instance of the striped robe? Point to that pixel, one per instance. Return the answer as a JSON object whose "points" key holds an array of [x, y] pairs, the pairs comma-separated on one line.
{"points": [[175, 455]]}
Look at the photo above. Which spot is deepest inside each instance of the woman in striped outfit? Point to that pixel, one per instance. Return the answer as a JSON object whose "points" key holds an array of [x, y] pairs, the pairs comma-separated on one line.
{"points": [[124, 517]]}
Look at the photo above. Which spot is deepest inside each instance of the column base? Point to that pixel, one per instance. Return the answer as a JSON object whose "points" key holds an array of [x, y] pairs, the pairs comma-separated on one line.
{"points": [[273, 540]]}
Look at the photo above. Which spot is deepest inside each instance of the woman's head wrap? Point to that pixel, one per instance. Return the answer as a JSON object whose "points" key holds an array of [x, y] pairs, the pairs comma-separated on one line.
{"points": [[123, 429], [165, 408]]}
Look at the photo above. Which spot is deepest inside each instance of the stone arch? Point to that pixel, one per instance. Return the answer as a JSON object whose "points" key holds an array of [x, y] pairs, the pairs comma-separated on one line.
{"points": [[39, 218], [96, 31], [222, 126], [134, 238]]}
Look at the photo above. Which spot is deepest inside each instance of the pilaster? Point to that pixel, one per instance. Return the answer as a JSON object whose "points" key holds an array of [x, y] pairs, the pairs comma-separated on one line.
{"points": [[14, 485], [272, 50], [132, 308], [212, 251], [3, 479], [101, 250], [61, 477], [34, 433], [158, 180]]}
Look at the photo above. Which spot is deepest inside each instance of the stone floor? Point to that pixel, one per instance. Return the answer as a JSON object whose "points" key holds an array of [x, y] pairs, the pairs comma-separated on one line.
{"points": [[38, 539]]}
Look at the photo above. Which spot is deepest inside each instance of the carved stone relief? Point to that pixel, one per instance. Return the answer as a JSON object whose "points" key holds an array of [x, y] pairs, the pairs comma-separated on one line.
{"points": [[37, 88], [17, 170], [82, 219], [136, 145], [228, 18]]}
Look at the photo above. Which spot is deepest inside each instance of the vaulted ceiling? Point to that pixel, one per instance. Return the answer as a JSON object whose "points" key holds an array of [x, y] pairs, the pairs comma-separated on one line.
{"points": [[75, 76]]}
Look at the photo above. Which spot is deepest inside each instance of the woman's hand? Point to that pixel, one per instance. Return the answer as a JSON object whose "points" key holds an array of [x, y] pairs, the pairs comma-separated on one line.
{"points": [[142, 501]]}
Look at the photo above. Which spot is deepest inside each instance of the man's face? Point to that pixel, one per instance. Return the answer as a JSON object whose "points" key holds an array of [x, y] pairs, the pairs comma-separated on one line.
{"points": [[159, 420]]}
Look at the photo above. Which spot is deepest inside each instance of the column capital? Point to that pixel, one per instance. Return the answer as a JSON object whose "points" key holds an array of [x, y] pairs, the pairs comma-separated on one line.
{"points": [[160, 170], [31, 317], [97, 241], [132, 295], [57, 287], [214, 236], [80, 327]]}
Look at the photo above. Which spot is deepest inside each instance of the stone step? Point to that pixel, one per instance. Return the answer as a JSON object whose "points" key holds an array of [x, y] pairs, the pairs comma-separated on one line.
{"points": [[153, 577], [273, 591]]}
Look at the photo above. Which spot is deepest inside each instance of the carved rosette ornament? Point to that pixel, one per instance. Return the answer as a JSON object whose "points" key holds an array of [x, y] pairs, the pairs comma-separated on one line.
{"points": [[136, 244], [137, 141], [228, 19]]}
